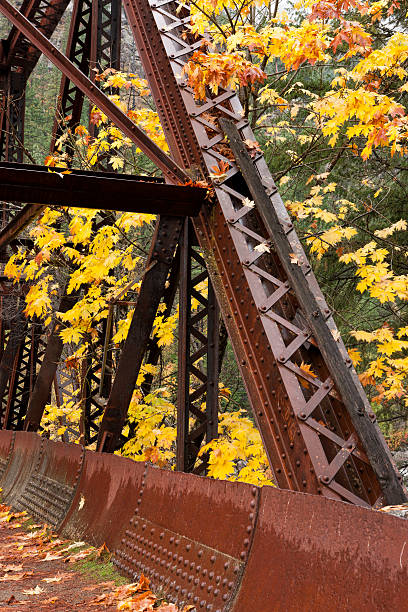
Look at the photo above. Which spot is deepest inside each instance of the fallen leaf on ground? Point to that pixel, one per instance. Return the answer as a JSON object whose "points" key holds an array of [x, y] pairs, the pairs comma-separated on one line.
{"points": [[51, 557], [53, 579], [80, 555], [51, 600], [141, 605], [71, 546], [13, 568], [8, 577], [102, 549], [36, 591]]}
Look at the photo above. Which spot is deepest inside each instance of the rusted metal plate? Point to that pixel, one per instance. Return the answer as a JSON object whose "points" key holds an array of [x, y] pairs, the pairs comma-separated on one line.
{"points": [[23, 461], [105, 499], [6, 449], [220, 546], [315, 554], [50, 489], [191, 536]]}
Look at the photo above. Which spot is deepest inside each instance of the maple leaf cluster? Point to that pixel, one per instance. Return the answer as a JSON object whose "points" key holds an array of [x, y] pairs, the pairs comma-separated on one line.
{"points": [[137, 597], [215, 70]]}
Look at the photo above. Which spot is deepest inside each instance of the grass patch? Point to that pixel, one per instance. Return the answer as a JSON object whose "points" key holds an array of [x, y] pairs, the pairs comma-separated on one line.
{"points": [[97, 565], [99, 568]]}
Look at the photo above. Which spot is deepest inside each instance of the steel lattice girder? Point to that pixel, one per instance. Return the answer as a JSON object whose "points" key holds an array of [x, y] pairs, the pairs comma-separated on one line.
{"points": [[42, 387], [17, 60], [314, 439], [93, 42], [266, 315], [159, 264], [198, 355], [12, 116], [16, 51], [169, 168]]}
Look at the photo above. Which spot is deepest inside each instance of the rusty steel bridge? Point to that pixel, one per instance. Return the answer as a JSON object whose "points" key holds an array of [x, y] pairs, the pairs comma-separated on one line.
{"points": [[215, 545]]}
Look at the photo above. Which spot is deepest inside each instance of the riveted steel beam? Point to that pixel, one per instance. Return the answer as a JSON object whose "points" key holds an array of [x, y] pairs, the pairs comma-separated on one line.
{"points": [[152, 288], [41, 391], [10, 357], [108, 191], [197, 386], [343, 377], [308, 432], [121, 120], [23, 218]]}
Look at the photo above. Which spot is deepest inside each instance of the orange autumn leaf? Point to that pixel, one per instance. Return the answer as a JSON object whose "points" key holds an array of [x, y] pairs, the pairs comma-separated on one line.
{"points": [[306, 368]]}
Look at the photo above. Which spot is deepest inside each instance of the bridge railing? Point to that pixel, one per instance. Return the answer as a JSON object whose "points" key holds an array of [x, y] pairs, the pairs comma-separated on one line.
{"points": [[216, 545]]}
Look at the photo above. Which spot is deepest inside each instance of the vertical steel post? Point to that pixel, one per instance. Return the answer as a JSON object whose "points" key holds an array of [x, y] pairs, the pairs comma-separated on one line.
{"points": [[197, 356], [12, 87], [46, 375]]}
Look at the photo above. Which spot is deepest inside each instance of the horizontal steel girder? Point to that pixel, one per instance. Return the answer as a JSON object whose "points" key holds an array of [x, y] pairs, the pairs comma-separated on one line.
{"points": [[109, 191]]}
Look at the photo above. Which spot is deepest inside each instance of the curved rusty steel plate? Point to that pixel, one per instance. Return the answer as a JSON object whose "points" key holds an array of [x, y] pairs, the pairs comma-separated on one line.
{"points": [[6, 448], [105, 498], [191, 536], [24, 458], [315, 554], [219, 546], [50, 489]]}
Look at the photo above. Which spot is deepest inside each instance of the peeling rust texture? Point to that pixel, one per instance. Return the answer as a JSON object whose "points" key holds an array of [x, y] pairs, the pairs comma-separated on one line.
{"points": [[220, 546]]}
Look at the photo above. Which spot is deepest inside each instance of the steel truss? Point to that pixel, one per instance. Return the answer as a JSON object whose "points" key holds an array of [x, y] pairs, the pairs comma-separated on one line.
{"points": [[319, 433], [197, 401]]}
